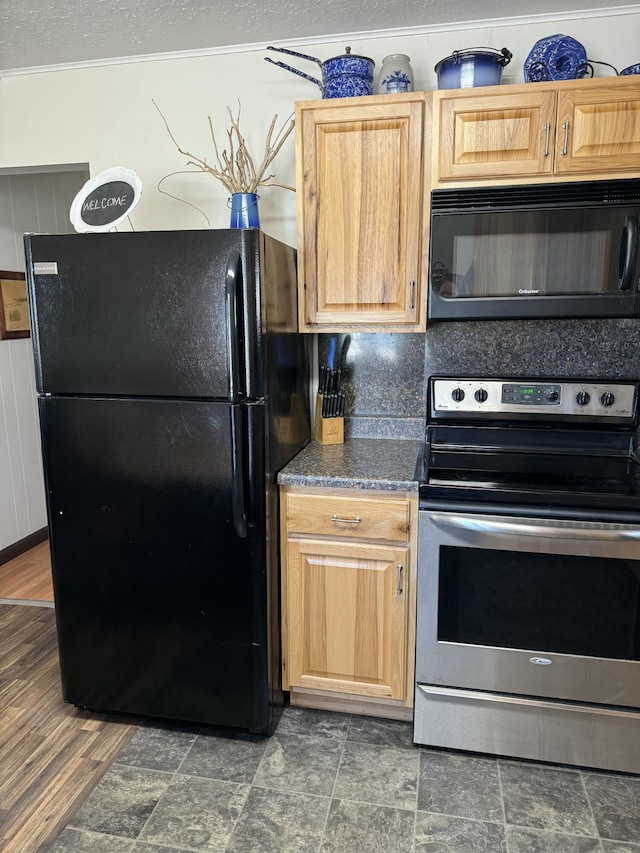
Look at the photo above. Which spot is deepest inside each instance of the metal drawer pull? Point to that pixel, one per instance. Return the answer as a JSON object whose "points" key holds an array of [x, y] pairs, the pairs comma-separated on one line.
{"points": [[355, 520], [412, 295], [547, 128], [399, 568]]}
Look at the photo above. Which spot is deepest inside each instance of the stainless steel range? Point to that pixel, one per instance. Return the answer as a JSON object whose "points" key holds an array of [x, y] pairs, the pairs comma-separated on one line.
{"points": [[528, 634]]}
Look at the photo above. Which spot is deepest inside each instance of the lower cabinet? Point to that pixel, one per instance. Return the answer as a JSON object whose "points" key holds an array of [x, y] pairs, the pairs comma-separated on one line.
{"points": [[348, 600]]}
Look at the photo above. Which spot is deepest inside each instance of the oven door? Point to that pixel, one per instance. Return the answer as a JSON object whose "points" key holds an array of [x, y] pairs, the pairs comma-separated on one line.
{"points": [[531, 607]]}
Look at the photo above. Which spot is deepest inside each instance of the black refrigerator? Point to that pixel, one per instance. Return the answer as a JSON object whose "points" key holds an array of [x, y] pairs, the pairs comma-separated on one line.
{"points": [[173, 385]]}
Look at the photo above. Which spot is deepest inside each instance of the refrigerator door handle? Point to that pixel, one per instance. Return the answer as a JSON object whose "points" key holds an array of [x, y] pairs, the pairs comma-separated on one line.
{"points": [[237, 474], [234, 271]]}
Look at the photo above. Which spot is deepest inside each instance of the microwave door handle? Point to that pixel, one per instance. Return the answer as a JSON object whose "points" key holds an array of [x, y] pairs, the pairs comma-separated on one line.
{"points": [[628, 251]]}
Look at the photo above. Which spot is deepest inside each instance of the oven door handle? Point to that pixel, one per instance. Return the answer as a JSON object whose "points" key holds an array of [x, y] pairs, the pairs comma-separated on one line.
{"points": [[529, 528]]}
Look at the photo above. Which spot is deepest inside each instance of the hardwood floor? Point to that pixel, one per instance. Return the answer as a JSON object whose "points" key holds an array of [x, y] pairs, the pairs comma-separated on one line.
{"points": [[51, 754], [28, 577]]}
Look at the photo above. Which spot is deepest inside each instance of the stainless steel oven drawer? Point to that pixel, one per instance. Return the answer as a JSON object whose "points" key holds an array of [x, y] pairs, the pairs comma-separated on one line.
{"points": [[583, 735]]}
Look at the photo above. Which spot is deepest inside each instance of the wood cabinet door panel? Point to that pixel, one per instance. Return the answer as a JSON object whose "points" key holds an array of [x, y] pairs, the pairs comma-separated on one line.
{"points": [[488, 136], [360, 210], [599, 130], [347, 617]]}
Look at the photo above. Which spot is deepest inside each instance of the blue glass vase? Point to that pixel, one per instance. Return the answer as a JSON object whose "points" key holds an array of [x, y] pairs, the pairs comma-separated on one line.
{"points": [[244, 210]]}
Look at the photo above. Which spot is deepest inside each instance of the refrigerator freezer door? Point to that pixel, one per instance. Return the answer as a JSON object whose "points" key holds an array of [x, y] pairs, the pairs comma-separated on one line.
{"points": [[161, 603], [131, 314]]}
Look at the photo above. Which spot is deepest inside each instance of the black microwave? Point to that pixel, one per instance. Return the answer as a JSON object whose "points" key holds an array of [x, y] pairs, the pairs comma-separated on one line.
{"points": [[535, 251]]}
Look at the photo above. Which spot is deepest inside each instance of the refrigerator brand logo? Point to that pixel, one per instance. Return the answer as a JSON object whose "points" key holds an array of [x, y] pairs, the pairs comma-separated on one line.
{"points": [[541, 661], [527, 292], [106, 200], [45, 268]]}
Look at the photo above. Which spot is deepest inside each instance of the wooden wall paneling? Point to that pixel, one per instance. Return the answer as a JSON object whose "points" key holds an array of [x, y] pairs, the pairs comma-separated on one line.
{"points": [[29, 437], [29, 201], [8, 251]]}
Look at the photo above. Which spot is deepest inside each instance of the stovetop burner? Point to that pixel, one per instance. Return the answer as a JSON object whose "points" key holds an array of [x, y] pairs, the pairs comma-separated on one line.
{"points": [[554, 443]]}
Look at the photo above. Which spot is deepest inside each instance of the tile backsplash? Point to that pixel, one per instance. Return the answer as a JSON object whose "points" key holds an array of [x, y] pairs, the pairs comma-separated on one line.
{"points": [[384, 375]]}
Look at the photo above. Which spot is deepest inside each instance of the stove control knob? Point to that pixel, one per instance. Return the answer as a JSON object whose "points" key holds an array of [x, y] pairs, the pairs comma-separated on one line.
{"points": [[552, 395], [607, 399], [481, 395], [458, 395], [582, 398]]}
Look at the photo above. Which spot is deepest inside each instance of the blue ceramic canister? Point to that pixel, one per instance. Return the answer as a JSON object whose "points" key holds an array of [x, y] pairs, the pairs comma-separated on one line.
{"points": [[474, 66], [396, 75]]}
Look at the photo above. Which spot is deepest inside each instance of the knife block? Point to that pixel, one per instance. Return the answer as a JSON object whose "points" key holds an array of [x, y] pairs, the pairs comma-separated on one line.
{"points": [[327, 430]]}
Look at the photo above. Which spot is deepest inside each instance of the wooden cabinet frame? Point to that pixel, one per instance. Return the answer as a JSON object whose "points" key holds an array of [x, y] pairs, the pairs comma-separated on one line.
{"points": [[563, 131], [348, 599], [362, 212]]}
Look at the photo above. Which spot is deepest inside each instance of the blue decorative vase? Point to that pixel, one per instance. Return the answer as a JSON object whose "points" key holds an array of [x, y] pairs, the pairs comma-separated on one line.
{"points": [[244, 210]]}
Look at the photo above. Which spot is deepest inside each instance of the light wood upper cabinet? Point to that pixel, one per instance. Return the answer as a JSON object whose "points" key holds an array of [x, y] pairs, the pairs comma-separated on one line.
{"points": [[537, 131], [599, 128], [493, 136], [360, 210]]}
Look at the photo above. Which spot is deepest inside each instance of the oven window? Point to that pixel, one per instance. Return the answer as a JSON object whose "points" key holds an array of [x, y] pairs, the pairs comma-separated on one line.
{"points": [[540, 602]]}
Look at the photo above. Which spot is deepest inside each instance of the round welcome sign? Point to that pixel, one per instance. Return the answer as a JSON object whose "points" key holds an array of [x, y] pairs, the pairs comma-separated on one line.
{"points": [[105, 200]]}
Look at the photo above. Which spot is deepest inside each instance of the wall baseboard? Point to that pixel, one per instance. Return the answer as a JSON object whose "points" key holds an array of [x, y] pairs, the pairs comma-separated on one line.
{"points": [[23, 545]]}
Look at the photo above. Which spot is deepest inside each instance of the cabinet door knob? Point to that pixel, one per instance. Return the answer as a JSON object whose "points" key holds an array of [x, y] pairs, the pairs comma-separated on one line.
{"points": [[412, 295], [399, 568], [355, 520]]}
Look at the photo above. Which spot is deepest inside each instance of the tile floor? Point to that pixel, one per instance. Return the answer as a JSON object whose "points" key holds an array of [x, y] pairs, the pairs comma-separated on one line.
{"points": [[335, 783]]}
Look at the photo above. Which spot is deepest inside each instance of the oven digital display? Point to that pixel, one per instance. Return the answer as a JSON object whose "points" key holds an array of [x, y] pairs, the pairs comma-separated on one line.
{"points": [[533, 395]]}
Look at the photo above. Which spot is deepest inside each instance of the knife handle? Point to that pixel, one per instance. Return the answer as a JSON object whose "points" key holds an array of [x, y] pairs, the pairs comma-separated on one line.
{"points": [[332, 353]]}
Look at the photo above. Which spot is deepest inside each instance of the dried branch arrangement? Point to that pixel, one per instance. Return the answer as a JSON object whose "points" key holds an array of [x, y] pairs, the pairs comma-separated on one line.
{"points": [[234, 166]]}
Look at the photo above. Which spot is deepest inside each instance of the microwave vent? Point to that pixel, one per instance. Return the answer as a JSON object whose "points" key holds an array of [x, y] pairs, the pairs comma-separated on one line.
{"points": [[626, 192]]}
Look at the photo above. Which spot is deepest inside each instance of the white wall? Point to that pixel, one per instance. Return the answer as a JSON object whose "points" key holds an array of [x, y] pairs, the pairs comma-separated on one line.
{"points": [[28, 202], [104, 114]]}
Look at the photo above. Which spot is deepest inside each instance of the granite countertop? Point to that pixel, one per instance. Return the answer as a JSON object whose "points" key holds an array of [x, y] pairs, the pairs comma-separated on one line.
{"points": [[359, 463]]}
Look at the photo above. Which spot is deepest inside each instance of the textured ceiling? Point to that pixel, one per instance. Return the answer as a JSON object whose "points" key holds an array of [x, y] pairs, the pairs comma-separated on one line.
{"points": [[36, 33]]}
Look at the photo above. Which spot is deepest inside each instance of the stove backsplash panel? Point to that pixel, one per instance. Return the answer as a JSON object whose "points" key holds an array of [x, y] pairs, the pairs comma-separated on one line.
{"points": [[385, 374], [604, 349]]}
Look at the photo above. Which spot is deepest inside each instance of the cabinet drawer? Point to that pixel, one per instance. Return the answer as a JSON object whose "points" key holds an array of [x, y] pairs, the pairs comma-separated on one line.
{"points": [[349, 517]]}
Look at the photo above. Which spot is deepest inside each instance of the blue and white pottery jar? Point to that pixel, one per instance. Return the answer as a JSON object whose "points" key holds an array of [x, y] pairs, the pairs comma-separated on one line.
{"points": [[396, 75]]}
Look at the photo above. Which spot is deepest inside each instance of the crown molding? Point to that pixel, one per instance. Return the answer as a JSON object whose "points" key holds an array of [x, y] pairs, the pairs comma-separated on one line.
{"points": [[225, 50]]}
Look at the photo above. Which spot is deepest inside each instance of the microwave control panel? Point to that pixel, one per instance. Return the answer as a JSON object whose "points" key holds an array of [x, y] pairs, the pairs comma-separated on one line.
{"points": [[498, 398]]}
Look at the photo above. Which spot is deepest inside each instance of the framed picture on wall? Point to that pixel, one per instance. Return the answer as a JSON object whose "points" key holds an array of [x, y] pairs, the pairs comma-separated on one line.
{"points": [[14, 308]]}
